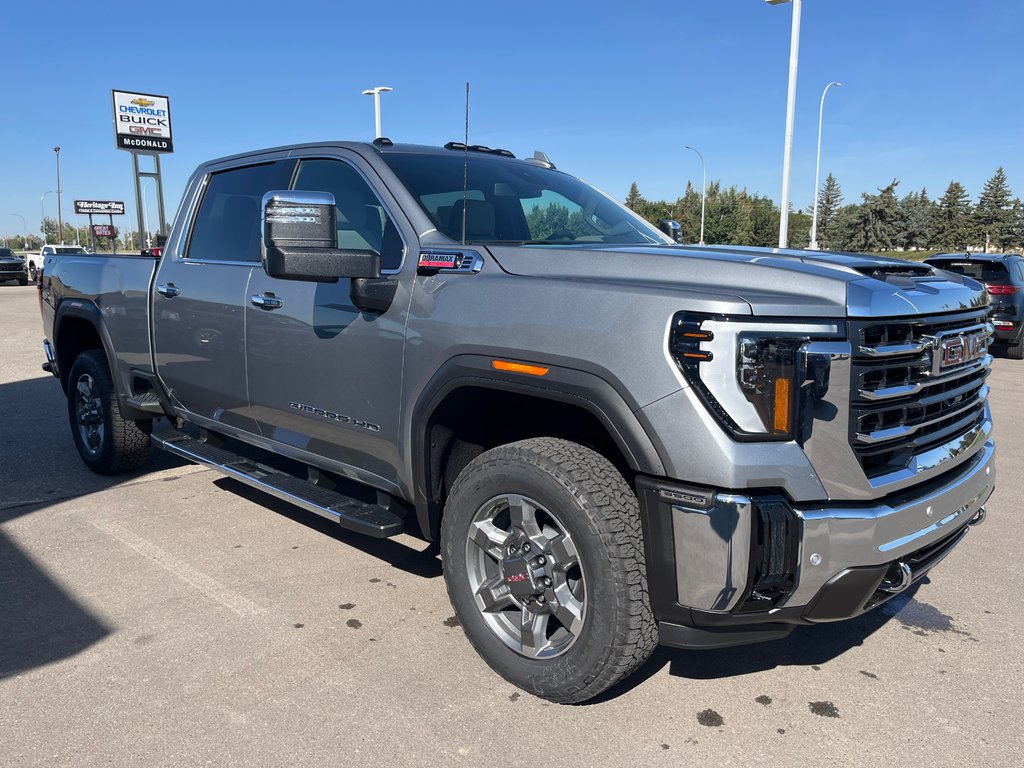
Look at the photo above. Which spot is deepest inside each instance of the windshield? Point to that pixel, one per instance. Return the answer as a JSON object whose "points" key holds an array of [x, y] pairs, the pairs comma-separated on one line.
{"points": [[511, 201]]}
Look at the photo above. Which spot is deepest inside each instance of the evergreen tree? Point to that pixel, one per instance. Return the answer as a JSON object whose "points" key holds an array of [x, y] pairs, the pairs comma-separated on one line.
{"points": [[830, 199], [634, 200], [993, 215], [877, 221], [916, 218], [951, 220]]}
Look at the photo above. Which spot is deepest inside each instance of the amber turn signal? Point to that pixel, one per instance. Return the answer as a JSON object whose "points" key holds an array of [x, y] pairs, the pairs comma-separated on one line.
{"points": [[508, 365]]}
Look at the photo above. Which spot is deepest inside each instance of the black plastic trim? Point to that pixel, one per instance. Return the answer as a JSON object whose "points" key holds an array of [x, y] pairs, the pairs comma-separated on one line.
{"points": [[562, 384]]}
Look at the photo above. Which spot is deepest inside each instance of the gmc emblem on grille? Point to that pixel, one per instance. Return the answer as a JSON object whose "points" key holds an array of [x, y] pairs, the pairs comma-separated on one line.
{"points": [[955, 350]]}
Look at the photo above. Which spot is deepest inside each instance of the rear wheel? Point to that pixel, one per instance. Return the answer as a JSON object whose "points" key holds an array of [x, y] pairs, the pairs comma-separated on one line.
{"points": [[544, 564], [32, 272], [1015, 349], [107, 443]]}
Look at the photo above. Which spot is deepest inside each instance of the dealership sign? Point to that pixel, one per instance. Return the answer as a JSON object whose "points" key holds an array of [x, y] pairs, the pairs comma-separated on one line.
{"points": [[107, 207], [142, 122]]}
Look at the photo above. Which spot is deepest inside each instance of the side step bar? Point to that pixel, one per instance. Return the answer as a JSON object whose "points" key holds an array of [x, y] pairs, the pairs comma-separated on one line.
{"points": [[355, 515]]}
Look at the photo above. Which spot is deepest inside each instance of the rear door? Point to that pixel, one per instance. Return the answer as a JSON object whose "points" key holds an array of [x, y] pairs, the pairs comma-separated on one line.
{"points": [[324, 376], [200, 293]]}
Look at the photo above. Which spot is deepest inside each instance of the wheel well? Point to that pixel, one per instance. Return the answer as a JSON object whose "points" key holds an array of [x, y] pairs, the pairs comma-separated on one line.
{"points": [[471, 420], [76, 335]]}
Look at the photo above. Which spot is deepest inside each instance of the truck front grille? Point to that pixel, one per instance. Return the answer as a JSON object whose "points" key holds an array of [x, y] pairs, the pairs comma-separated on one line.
{"points": [[908, 393]]}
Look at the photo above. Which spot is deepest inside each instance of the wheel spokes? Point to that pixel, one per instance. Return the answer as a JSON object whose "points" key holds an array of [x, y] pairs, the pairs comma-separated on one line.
{"points": [[533, 629], [568, 609], [490, 538], [563, 550], [523, 514], [493, 596]]}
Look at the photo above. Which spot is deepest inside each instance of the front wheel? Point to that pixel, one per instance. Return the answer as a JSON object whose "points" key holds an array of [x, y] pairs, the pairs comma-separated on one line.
{"points": [[544, 564], [32, 272], [107, 443]]}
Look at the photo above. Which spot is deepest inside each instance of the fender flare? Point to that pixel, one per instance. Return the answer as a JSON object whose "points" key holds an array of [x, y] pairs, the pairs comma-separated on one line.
{"points": [[562, 384], [83, 310]]}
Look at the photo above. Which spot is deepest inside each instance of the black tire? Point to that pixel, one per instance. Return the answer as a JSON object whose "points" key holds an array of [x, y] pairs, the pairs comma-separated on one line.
{"points": [[107, 443], [598, 510], [32, 272], [22, 281], [1015, 349]]}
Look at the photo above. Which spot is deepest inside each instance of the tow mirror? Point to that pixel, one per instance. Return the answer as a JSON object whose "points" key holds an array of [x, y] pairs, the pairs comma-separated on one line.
{"points": [[671, 228], [300, 240]]}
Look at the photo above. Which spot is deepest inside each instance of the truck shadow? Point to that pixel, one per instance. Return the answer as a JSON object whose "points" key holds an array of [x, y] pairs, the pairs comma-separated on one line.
{"points": [[807, 646], [41, 622], [425, 563]]}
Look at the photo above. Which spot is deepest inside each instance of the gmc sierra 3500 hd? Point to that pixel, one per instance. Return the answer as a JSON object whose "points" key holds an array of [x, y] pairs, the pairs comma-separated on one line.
{"points": [[618, 440]]}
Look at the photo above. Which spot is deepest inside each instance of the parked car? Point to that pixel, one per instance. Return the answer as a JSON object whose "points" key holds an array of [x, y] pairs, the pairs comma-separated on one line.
{"points": [[37, 260], [1003, 276], [12, 267], [618, 440]]}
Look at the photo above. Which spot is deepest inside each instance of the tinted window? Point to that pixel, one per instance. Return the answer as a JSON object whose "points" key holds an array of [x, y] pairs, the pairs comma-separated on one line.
{"points": [[985, 271], [362, 221], [227, 227], [514, 201]]}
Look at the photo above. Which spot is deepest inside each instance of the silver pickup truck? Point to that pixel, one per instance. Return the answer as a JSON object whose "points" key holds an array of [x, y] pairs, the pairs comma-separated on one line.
{"points": [[617, 440]]}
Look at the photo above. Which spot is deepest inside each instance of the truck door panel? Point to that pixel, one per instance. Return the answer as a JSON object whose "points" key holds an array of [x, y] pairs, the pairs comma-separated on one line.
{"points": [[199, 328], [325, 376]]}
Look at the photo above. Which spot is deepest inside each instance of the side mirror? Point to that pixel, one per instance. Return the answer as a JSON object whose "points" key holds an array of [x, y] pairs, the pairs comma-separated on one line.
{"points": [[671, 228], [300, 240]]}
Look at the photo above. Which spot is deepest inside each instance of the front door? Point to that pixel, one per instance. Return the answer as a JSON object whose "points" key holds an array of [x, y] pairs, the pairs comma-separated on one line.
{"points": [[200, 295], [325, 376]]}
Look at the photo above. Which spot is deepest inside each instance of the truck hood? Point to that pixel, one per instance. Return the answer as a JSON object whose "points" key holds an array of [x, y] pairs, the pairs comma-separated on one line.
{"points": [[774, 282]]}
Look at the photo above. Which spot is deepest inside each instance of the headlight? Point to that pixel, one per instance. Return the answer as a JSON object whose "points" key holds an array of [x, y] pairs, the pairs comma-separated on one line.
{"points": [[748, 372]]}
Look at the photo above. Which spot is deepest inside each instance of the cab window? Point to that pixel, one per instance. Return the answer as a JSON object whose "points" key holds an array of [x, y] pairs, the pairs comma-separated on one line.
{"points": [[361, 219], [227, 226]]}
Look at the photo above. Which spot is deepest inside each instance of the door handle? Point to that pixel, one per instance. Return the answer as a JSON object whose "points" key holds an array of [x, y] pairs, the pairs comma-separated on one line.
{"points": [[170, 290], [266, 301]]}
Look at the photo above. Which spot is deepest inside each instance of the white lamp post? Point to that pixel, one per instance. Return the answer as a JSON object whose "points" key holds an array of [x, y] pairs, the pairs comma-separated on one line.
{"points": [[42, 208], [817, 169], [703, 191], [376, 92], [794, 54]]}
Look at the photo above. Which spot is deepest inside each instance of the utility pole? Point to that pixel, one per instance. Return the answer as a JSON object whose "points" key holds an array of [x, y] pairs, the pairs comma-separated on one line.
{"points": [[60, 222]]}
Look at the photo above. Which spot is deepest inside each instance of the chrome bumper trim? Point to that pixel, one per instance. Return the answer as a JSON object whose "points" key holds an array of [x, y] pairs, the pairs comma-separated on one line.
{"points": [[836, 537]]}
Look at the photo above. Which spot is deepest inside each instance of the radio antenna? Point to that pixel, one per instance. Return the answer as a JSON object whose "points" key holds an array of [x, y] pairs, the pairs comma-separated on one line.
{"points": [[465, 168]]}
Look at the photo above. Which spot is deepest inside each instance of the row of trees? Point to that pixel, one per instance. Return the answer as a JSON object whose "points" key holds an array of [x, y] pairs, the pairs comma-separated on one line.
{"points": [[879, 222]]}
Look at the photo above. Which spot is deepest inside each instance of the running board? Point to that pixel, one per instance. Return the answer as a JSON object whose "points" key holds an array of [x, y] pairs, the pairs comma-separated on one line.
{"points": [[355, 515]]}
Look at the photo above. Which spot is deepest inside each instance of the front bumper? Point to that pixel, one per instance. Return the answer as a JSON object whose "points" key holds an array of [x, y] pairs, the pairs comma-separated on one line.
{"points": [[729, 568]]}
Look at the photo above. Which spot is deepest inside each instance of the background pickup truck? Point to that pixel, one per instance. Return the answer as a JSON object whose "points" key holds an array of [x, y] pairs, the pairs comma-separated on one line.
{"points": [[616, 439]]}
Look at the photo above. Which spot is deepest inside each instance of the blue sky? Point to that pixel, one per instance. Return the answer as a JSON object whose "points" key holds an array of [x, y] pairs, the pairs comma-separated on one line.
{"points": [[612, 91]]}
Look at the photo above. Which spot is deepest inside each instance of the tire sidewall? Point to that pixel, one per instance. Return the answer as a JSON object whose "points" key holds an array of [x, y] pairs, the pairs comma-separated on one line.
{"points": [[574, 668]]}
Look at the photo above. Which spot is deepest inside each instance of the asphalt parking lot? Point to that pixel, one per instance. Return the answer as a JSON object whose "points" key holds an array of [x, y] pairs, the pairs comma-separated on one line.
{"points": [[173, 617]]}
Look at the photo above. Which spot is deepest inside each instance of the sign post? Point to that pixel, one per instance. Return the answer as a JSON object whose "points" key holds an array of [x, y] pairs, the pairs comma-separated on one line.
{"points": [[142, 126]]}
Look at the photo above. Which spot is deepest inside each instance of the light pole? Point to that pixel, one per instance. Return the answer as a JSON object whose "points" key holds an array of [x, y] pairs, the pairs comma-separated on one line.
{"points": [[42, 208], [24, 227], [703, 191], [145, 214], [376, 92], [794, 54], [60, 222], [817, 169]]}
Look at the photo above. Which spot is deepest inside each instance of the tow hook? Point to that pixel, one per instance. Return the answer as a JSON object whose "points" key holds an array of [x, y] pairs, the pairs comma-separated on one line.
{"points": [[897, 578], [979, 518]]}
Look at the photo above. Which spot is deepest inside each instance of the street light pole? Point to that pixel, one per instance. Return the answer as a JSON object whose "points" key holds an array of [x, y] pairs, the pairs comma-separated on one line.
{"points": [[42, 208], [24, 226], [60, 222], [794, 54], [703, 191], [376, 92], [817, 169]]}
